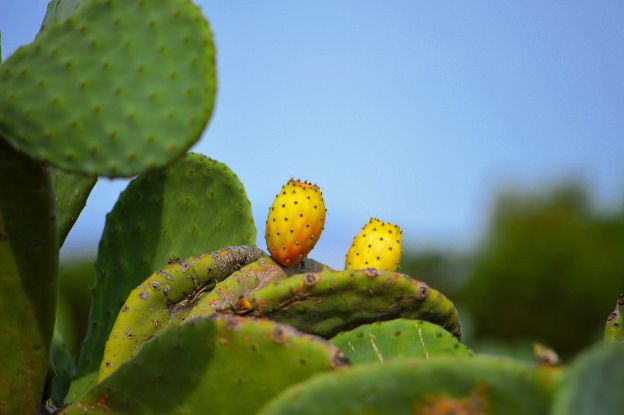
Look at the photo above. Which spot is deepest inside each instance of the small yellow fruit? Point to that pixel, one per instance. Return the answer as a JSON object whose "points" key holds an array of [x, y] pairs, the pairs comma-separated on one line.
{"points": [[378, 245], [296, 220]]}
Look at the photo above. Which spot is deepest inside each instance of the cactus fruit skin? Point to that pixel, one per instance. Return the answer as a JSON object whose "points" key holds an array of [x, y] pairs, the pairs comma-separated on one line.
{"points": [[72, 191], [378, 245], [476, 386], [295, 222], [384, 341], [614, 327], [328, 302], [150, 305], [592, 385], [220, 364], [193, 206], [114, 89], [28, 279]]}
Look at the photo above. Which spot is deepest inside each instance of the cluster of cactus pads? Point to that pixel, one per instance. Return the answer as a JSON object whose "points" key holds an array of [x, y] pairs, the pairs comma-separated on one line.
{"points": [[187, 315]]}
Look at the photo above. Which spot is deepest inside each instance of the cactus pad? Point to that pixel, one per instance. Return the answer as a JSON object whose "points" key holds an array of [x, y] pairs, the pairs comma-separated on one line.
{"points": [[384, 341], [327, 302], [250, 279], [477, 386], [221, 365], [58, 10], [614, 327], [28, 279], [193, 206], [165, 293], [114, 89], [592, 385], [72, 191]]}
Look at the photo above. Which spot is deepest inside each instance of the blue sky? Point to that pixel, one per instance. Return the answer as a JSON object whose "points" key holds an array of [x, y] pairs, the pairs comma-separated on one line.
{"points": [[415, 112]]}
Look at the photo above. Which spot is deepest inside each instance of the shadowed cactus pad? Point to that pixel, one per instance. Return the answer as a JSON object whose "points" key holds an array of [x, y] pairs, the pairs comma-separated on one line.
{"points": [[328, 302], [195, 205], [116, 88], [387, 340], [72, 191], [218, 365], [28, 280], [440, 386], [592, 385]]}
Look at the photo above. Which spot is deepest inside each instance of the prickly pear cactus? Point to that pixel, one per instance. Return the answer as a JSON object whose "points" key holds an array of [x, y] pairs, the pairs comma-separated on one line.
{"points": [[165, 294], [593, 383], [113, 88], [222, 365], [477, 386], [384, 341], [28, 279], [72, 191], [614, 328], [194, 206], [326, 303], [377, 245], [251, 278], [58, 10]]}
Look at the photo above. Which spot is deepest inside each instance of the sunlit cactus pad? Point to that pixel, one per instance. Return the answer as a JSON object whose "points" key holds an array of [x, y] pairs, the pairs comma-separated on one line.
{"points": [[217, 365], [441, 386], [387, 340], [328, 302], [116, 88], [28, 282]]}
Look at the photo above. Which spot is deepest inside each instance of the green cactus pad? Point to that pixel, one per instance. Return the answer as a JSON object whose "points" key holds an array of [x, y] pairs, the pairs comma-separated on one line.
{"points": [[217, 365], [72, 191], [249, 279], [481, 385], [194, 206], [592, 385], [28, 279], [115, 89], [62, 367], [163, 294], [384, 341], [185, 295], [614, 328], [58, 10], [328, 302]]}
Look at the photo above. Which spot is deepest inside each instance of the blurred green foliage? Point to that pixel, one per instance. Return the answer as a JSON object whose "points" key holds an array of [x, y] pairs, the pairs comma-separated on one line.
{"points": [[75, 281], [549, 270], [445, 271]]}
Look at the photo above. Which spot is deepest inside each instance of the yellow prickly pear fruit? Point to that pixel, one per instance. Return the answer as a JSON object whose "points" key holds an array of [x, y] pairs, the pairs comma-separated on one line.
{"points": [[378, 245], [296, 220]]}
